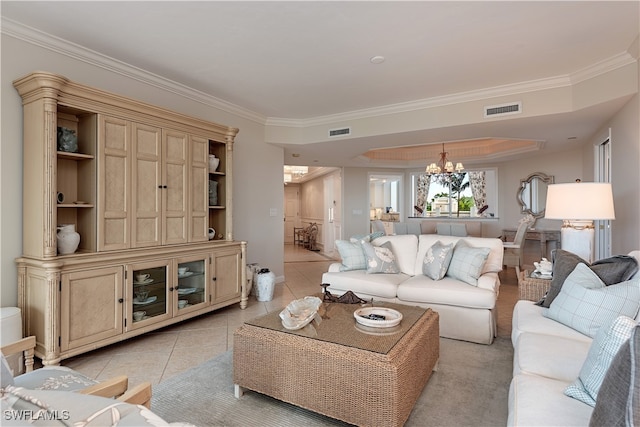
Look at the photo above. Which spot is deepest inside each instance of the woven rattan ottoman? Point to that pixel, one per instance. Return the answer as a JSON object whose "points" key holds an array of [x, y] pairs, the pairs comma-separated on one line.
{"points": [[364, 376]]}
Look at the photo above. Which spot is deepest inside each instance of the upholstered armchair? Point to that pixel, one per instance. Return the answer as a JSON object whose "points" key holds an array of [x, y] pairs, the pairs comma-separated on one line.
{"points": [[56, 395], [60, 378]]}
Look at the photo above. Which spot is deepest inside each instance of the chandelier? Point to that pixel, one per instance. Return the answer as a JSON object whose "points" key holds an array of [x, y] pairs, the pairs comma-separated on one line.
{"points": [[291, 172], [444, 165]]}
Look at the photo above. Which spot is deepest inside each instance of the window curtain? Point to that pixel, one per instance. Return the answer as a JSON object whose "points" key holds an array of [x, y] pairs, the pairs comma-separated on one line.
{"points": [[423, 191], [478, 188]]}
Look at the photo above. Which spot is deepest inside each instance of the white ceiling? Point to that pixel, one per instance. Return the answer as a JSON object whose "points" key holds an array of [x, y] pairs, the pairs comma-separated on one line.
{"points": [[303, 60]]}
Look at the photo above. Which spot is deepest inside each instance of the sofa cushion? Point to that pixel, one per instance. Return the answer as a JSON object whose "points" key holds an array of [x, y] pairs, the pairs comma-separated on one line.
{"points": [[493, 263], [528, 317], [448, 291], [540, 401], [605, 346], [352, 255], [467, 262], [358, 281], [436, 260], [585, 303], [380, 259], [611, 270], [549, 356], [404, 248], [618, 401]]}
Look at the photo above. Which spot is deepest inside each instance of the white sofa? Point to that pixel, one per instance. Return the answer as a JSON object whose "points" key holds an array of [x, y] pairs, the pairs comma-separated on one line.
{"points": [[548, 356], [466, 312]]}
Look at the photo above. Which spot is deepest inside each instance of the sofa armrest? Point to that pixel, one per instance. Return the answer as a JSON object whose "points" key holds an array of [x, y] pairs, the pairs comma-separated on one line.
{"points": [[334, 268], [489, 281]]}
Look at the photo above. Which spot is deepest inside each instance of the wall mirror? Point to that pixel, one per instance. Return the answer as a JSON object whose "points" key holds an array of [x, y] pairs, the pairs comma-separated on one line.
{"points": [[532, 194]]}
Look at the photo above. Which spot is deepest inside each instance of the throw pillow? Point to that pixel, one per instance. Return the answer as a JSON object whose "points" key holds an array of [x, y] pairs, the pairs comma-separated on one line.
{"points": [[352, 255], [436, 260], [585, 303], [366, 237], [618, 401], [612, 270], [467, 262], [603, 349], [380, 259]]}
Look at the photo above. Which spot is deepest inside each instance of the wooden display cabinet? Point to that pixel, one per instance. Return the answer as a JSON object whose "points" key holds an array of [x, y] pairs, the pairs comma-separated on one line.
{"points": [[136, 190]]}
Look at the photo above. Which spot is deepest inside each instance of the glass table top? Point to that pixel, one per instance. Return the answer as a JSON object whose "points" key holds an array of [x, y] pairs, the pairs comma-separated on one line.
{"points": [[337, 325]]}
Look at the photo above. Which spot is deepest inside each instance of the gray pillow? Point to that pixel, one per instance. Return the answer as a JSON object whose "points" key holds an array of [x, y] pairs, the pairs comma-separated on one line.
{"points": [[467, 262], [380, 259], [618, 402], [616, 269], [436, 260]]}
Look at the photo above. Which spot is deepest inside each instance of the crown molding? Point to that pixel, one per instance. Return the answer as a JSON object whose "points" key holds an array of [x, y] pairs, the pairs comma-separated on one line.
{"points": [[39, 38], [610, 64], [47, 41], [420, 104], [615, 62]]}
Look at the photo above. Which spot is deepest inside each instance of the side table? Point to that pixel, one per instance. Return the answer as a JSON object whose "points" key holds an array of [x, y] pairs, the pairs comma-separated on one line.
{"points": [[532, 288]]}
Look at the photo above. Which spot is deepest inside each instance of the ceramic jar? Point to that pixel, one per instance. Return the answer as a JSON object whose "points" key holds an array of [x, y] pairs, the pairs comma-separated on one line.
{"points": [[68, 239], [213, 162]]}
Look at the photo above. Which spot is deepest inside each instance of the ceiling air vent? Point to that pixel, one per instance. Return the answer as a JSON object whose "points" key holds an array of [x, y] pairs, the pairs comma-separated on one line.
{"points": [[503, 109], [339, 132]]}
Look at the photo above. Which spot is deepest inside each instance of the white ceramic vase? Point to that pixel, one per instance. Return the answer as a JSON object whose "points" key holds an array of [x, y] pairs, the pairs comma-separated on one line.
{"points": [[68, 239], [213, 162]]}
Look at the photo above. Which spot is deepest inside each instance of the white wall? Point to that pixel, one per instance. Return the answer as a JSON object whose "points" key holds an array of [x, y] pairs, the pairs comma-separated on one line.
{"points": [[625, 176], [257, 165]]}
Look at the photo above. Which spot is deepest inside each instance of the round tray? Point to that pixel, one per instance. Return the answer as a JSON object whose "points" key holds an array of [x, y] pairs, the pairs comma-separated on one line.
{"points": [[392, 317]]}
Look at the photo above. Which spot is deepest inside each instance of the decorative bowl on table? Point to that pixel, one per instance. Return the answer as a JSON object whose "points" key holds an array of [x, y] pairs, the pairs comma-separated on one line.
{"points": [[378, 317], [300, 312]]}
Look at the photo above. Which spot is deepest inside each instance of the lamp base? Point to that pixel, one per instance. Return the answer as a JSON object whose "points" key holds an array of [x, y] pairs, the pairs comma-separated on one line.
{"points": [[579, 240]]}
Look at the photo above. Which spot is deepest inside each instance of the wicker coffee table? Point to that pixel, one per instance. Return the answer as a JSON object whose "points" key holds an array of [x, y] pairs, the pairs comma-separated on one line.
{"points": [[364, 376]]}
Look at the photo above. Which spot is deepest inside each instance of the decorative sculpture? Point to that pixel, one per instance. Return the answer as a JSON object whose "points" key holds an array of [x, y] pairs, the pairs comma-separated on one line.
{"points": [[346, 298]]}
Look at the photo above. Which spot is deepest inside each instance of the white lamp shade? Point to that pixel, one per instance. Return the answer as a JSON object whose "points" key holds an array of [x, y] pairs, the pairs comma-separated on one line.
{"points": [[580, 201]]}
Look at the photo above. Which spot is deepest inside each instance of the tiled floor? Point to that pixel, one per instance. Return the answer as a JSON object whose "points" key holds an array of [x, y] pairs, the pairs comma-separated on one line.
{"points": [[161, 354]]}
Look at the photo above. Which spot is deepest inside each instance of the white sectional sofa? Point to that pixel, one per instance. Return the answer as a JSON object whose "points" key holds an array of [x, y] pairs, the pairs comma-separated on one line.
{"points": [[467, 312], [548, 357]]}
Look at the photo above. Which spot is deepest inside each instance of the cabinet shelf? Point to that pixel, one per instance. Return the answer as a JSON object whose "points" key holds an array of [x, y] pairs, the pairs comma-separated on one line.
{"points": [[216, 207], [74, 156], [75, 205], [217, 173]]}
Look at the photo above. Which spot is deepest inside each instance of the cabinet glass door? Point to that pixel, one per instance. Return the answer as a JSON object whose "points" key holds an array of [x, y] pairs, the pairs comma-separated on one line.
{"points": [[149, 294], [191, 289]]}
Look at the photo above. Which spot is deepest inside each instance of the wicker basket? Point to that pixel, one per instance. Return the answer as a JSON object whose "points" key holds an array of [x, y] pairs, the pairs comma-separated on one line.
{"points": [[532, 289]]}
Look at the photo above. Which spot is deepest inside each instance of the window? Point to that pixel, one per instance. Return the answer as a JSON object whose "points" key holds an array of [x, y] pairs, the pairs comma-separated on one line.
{"points": [[464, 195]]}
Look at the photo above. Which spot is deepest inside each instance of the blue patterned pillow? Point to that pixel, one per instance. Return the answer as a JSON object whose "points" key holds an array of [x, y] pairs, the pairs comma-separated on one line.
{"points": [[352, 255], [585, 303], [436, 260], [467, 262], [603, 349], [380, 259]]}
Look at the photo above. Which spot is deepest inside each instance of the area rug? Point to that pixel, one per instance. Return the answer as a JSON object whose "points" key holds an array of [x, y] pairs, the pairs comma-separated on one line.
{"points": [[469, 388]]}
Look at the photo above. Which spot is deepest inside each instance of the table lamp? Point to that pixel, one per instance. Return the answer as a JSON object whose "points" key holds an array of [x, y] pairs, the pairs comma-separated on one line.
{"points": [[578, 205]]}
